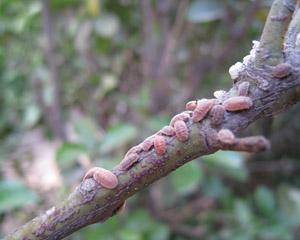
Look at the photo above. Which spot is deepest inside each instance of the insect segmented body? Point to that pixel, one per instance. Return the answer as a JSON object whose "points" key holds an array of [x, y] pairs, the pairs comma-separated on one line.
{"points": [[147, 143], [106, 178], [128, 161], [181, 116], [281, 70], [103, 177], [167, 131], [243, 88], [191, 105], [237, 103], [135, 149], [225, 136], [159, 145], [181, 130], [217, 115], [203, 107]]}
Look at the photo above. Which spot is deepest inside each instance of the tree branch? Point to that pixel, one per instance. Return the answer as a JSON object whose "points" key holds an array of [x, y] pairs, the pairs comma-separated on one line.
{"points": [[90, 203], [271, 42]]}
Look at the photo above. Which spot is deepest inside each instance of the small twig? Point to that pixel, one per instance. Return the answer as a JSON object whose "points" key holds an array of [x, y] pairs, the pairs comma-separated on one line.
{"points": [[271, 42], [56, 116]]}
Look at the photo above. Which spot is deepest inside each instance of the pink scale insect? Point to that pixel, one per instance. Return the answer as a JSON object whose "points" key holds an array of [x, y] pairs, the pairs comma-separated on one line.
{"points": [[103, 177], [191, 105], [237, 103], [184, 116], [128, 161], [203, 107], [159, 145], [217, 115], [181, 130], [225, 136], [167, 131]]}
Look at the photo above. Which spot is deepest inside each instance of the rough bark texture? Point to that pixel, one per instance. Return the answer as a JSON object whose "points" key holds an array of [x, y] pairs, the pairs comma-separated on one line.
{"points": [[90, 203]]}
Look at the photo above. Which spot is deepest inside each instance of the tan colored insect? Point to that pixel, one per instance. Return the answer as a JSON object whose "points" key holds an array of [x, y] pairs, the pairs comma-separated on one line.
{"points": [[167, 131], [281, 70], [181, 130], [181, 116], [226, 136], [203, 107], [135, 149], [217, 115], [243, 88], [159, 145], [128, 161], [237, 103], [147, 144], [191, 105], [103, 177]]}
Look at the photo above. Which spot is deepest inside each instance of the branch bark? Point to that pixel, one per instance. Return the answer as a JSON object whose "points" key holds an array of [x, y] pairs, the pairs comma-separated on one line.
{"points": [[90, 203]]}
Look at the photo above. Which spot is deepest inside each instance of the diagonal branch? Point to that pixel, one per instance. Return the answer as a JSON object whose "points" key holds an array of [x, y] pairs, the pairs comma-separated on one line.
{"points": [[90, 203]]}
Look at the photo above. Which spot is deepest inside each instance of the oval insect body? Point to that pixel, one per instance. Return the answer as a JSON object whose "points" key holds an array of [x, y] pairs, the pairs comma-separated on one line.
{"points": [[217, 115], [90, 173], [243, 88], [237, 103], [181, 116], [135, 149], [147, 144], [181, 130], [226, 136], [128, 161], [167, 131], [191, 105], [105, 178], [281, 70], [203, 107], [159, 145]]}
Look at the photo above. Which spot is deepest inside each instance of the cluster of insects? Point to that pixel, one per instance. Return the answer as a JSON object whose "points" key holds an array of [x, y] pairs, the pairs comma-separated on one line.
{"points": [[196, 111]]}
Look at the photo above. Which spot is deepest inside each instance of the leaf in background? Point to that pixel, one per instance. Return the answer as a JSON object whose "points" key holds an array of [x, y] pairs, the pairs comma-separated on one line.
{"points": [[229, 163], [186, 178], [31, 116], [159, 231], [105, 231], [117, 136], [14, 194], [106, 26], [205, 11], [289, 201], [61, 4], [68, 153], [93, 7], [264, 200], [243, 213], [87, 130], [157, 122]]}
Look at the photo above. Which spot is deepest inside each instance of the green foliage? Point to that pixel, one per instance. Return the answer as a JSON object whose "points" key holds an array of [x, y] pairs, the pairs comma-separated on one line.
{"points": [[228, 163], [187, 178], [137, 225], [14, 194], [117, 136], [68, 153]]}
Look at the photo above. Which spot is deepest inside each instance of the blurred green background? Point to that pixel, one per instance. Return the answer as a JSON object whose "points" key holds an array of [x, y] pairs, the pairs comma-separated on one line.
{"points": [[83, 81]]}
